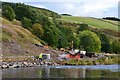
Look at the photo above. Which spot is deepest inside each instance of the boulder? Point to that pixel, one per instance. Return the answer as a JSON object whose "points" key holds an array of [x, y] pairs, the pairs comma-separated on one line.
{"points": [[4, 66], [48, 63], [30, 64], [25, 63], [10, 64], [55, 64], [34, 63], [22, 65], [14, 66], [19, 64]]}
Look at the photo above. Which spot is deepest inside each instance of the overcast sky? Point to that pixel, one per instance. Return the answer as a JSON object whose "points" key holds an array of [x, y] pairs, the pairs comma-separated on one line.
{"points": [[88, 8]]}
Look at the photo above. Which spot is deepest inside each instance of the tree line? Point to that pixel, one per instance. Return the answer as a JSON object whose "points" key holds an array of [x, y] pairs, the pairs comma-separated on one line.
{"points": [[45, 26], [112, 18]]}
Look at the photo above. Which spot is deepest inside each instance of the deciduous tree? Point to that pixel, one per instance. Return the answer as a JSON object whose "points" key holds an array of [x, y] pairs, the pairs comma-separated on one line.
{"points": [[90, 41], [8, 12]]}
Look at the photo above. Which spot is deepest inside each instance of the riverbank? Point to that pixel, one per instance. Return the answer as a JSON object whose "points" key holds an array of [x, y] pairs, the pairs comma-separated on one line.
{"points": [[100, 61], [18, 64], [55, 62]]}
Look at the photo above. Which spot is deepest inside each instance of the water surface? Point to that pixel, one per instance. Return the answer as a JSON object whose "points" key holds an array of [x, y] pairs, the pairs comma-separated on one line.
{"points": [[97, 71]]}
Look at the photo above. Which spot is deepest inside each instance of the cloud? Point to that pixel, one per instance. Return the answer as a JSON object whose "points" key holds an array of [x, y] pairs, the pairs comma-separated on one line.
{"points": [[95, 9], [99, 6]]}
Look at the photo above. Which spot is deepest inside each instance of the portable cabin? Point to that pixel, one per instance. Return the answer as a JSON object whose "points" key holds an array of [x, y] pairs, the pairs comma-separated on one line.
{"points": [[45, 56]]}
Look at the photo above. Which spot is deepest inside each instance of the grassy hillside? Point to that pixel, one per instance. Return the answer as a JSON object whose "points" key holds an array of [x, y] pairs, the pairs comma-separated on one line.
{"points": [[14, 31], [112, 22], [17, 40], [94, 22]]}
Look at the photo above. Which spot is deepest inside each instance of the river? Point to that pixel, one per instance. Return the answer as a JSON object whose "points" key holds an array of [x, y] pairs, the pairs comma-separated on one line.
{"points": [[96, 71]]}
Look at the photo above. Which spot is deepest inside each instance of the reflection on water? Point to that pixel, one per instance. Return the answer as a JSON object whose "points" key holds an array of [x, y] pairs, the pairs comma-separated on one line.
{"points": [[63, 72]]}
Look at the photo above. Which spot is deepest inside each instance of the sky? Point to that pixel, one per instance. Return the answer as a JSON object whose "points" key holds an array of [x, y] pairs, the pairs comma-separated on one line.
{"points": [[86, 8]]}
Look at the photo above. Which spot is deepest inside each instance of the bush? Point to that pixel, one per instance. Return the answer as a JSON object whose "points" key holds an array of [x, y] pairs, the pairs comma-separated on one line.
{"points": [[37, 30], [26, 23]]}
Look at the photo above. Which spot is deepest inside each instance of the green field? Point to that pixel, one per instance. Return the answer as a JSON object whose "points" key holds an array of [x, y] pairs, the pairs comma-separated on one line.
{"points": [[94, 22], [113, 22]]}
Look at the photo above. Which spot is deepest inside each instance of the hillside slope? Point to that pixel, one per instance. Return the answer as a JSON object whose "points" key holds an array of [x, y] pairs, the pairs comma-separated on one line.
{"points": [[14, 36], [18, 41], [94, 22]]}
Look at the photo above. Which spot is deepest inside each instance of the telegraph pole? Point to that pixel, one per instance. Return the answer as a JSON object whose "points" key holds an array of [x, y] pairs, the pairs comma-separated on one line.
{"points": [[72, 46]]}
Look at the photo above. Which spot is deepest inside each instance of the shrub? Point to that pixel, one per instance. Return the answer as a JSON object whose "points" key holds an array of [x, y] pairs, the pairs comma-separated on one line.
{"points": [[26, 23], [37, 30]]}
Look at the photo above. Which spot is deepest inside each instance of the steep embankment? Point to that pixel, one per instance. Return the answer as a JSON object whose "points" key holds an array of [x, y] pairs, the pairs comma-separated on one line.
{"points": [[18, 41]]}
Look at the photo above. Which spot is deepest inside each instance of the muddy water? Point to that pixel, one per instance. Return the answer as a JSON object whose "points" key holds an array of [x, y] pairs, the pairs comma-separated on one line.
{"points": [[99, 71]]}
